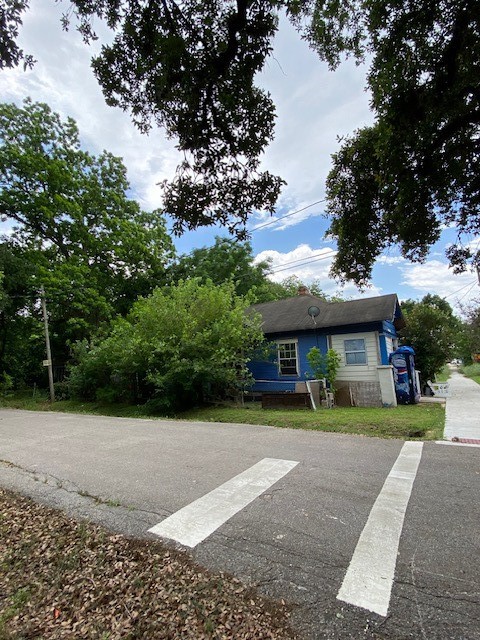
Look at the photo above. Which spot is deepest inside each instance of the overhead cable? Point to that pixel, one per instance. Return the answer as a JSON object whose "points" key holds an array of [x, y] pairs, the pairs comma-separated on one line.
{"points": [[314, 255], [303, 264], [461, 289], [270, 222]]}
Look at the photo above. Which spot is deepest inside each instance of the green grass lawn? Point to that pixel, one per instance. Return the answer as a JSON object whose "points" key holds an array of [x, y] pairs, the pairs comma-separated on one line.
{"points": [[472, 371], [25, 400], [425, 422], [444, 374]]}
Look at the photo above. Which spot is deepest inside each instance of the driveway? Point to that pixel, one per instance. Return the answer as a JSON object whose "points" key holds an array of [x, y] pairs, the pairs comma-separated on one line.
{"points": [[368, 538]]}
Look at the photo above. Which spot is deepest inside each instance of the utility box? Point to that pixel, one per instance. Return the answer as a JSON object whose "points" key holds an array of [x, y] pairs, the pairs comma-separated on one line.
{"points": [[405, 380]]}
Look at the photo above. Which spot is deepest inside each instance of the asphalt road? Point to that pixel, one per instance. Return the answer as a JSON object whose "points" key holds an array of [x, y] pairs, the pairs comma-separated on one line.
{"points": [[296, 540]]}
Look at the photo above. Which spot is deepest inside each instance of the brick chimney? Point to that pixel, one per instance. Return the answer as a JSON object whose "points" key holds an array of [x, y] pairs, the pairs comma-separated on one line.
{"points": [[303, 291]]}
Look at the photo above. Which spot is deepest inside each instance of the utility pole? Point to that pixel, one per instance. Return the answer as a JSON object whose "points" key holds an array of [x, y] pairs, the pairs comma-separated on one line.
{"points": [[47, 342]]}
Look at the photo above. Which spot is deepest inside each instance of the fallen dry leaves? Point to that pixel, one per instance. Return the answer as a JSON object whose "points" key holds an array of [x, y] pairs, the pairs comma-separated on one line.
{"points": [[65, 579]]}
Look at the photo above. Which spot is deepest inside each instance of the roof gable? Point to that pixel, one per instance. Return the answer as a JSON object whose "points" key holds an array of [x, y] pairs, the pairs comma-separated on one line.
{"points": [[291, 314]]}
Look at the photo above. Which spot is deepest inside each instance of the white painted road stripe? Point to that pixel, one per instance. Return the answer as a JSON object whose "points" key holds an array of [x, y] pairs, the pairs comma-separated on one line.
{"points": [[369, 578], [198, 520]]}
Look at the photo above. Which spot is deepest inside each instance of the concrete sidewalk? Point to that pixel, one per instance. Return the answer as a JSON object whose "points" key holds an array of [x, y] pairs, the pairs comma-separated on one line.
{"points": [[462, 420]]}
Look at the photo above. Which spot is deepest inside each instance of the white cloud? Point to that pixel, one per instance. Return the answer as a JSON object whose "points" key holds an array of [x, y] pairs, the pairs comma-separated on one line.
{"points": [[437, 278], [314, 106], [6, 229], [292, 263], [390, 260], [473, 245], [63, 79]]}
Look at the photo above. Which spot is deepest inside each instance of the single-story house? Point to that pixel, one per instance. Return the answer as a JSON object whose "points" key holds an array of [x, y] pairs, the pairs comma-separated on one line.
{"points": [[363, 332]]}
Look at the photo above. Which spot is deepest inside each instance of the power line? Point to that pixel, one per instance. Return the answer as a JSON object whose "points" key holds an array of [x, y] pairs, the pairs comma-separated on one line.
{"points": [[303, 264], [461, 289], [314, 255], [262, 226], [267, 224], [467, 292]]}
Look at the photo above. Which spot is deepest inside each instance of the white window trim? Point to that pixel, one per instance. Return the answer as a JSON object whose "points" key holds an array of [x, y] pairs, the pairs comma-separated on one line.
{"points": [[364, 350], [287, 341]]}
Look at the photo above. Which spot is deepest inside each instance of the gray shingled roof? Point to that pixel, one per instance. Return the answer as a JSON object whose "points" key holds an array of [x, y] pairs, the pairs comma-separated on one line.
{"points": [[291, 314]]}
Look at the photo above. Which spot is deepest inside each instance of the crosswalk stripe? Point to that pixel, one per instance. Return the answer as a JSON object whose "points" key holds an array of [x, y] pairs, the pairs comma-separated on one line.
{"points": [[195, 522], [369, 578]]}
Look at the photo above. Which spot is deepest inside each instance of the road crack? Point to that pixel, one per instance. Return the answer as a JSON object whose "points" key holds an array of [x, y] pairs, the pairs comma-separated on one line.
{"points": [[68, 486]]}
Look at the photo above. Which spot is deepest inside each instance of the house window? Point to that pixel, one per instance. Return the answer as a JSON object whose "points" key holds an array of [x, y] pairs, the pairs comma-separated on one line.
{"points": [[287, 358], [355, 352]]}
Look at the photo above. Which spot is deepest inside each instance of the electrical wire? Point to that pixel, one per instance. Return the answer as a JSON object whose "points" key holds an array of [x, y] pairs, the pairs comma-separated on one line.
{"points": [[461, 289], [267, 224], [303, 264], [262, 226], [313, 256], [467, 292]]}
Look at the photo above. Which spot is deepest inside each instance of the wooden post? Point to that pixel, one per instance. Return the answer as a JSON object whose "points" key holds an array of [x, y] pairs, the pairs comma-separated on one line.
{"points": [[47, 343]]}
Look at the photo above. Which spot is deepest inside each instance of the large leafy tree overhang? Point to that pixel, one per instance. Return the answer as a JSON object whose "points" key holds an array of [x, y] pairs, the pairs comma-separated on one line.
{"points": [[191, 68]]}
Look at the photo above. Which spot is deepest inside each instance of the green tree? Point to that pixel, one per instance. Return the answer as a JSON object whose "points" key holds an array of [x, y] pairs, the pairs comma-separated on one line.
{"points": [[470, 342], [74, 206], [228, 260], [76, 232], [432, 330], [181, 343], [192, 68], [22, 342], [232, 260], [289, 287], [10, 21], [415, 170]]}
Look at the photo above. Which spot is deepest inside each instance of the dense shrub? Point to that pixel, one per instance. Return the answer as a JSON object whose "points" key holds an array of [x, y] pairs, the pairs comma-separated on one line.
{"points": [[324, 365], [6, 384], [173, 346], [62, 390]]}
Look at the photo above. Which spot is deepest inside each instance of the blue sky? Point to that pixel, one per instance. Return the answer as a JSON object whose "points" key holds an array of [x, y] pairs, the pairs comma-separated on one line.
{"points": [[314, 108]]}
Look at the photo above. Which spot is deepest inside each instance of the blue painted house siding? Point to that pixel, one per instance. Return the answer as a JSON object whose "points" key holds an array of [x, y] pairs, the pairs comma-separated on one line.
{"points": [[388, 331], [266, 372], [374, 320], [383, 349], [389, 328]]}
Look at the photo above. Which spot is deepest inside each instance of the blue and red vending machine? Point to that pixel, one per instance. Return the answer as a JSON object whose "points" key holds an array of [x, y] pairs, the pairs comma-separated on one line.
{"points": [[406, 382]]}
